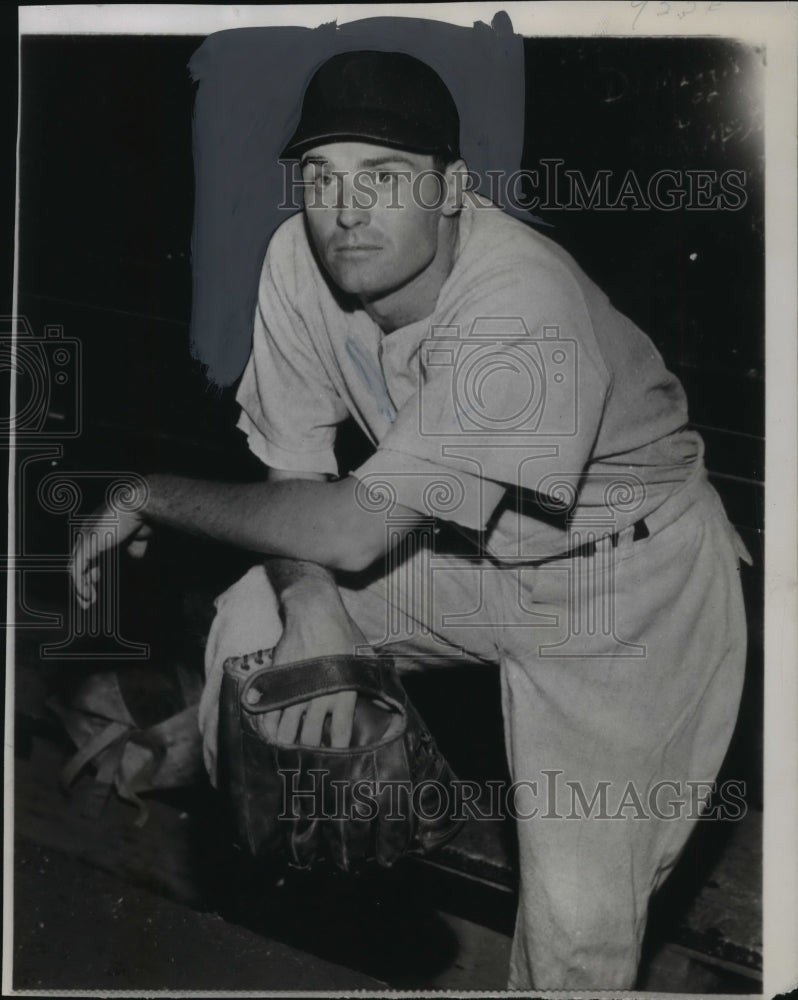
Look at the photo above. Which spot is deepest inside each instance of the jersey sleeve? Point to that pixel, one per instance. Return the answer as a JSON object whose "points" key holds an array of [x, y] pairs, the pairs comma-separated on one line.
{"points": [[510, 397], [289, 407]]}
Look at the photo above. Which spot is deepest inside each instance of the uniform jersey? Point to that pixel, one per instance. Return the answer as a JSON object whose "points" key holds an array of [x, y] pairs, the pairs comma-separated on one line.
{"points": [[526, 402]]}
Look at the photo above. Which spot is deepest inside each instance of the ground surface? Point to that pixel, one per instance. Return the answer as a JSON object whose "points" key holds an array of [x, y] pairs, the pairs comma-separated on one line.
{"points": [[104, 904], [101, 904]]}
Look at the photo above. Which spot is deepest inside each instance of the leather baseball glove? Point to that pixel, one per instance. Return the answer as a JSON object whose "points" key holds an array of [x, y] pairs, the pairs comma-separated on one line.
{"points": [[388, 794]]}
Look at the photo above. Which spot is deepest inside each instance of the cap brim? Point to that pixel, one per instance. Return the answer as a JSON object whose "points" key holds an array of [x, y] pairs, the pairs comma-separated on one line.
{"points": [[395, 133]]}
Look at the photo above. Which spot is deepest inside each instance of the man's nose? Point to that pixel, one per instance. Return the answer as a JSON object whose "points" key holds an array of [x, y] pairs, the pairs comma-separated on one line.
{"points": [[353, 205]]}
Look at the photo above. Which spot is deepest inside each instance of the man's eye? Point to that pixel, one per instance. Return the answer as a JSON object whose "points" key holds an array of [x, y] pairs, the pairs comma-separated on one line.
{"points": [[318, 178], [380, 178]]}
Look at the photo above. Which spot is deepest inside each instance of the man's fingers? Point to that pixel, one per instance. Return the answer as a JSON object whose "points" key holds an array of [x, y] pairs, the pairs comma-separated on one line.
{"points": [[288, 729], [87, 597], [304, 723], [312, 727], [76, 562], [83, 568], [79, 568], [102, 533], [343, 718], [86, 587], [137, 548], [268, 723], [341, 709]]}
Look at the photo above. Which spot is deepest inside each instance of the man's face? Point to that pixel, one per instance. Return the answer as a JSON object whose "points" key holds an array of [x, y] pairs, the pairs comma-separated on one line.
{"points": [[373, 215]]}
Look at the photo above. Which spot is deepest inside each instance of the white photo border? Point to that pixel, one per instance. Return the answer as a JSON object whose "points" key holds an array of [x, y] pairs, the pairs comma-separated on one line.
{"points": [[775, 25]]}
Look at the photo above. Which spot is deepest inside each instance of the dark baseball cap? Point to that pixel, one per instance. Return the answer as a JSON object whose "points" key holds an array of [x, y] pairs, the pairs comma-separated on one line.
{"points": [[387, 98]]}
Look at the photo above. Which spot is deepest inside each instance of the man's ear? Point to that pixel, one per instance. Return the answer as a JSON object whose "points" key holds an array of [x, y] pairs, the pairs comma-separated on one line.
{"points": [[456, 181]]}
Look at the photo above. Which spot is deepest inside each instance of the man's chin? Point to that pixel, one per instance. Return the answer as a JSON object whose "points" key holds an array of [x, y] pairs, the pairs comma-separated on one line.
{"points": [[360, 284], [353, 284]]}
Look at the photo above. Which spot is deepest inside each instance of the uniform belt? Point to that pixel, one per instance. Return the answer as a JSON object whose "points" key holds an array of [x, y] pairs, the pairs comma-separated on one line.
{"points": [[695, 492], [639, 530]]}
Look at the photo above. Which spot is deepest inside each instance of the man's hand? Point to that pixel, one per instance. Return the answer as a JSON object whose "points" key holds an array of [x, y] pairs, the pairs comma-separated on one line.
{"points": [[104, 530], [316, 624]]}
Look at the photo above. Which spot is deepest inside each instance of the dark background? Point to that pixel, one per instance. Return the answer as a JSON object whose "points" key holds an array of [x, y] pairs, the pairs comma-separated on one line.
{"points": [[105, 227], [107, 201]]}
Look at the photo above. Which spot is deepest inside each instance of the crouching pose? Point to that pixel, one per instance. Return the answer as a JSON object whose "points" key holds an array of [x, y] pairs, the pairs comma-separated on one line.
{"points": [[505, 395]]}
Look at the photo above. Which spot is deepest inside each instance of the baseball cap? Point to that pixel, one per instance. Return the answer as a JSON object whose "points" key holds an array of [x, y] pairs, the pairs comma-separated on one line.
{"points": [[388, 98]]}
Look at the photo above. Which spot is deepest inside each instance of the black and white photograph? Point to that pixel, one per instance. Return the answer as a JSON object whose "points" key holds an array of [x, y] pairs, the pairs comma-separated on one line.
{"points": [[397, 598]]}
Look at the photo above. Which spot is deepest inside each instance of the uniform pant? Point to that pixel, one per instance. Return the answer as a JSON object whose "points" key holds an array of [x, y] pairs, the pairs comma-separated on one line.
{"points": [[621, 674]]}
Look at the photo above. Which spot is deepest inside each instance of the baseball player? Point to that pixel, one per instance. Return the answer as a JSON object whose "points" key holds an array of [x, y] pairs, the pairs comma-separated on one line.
{"points": [[505, 396]]}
